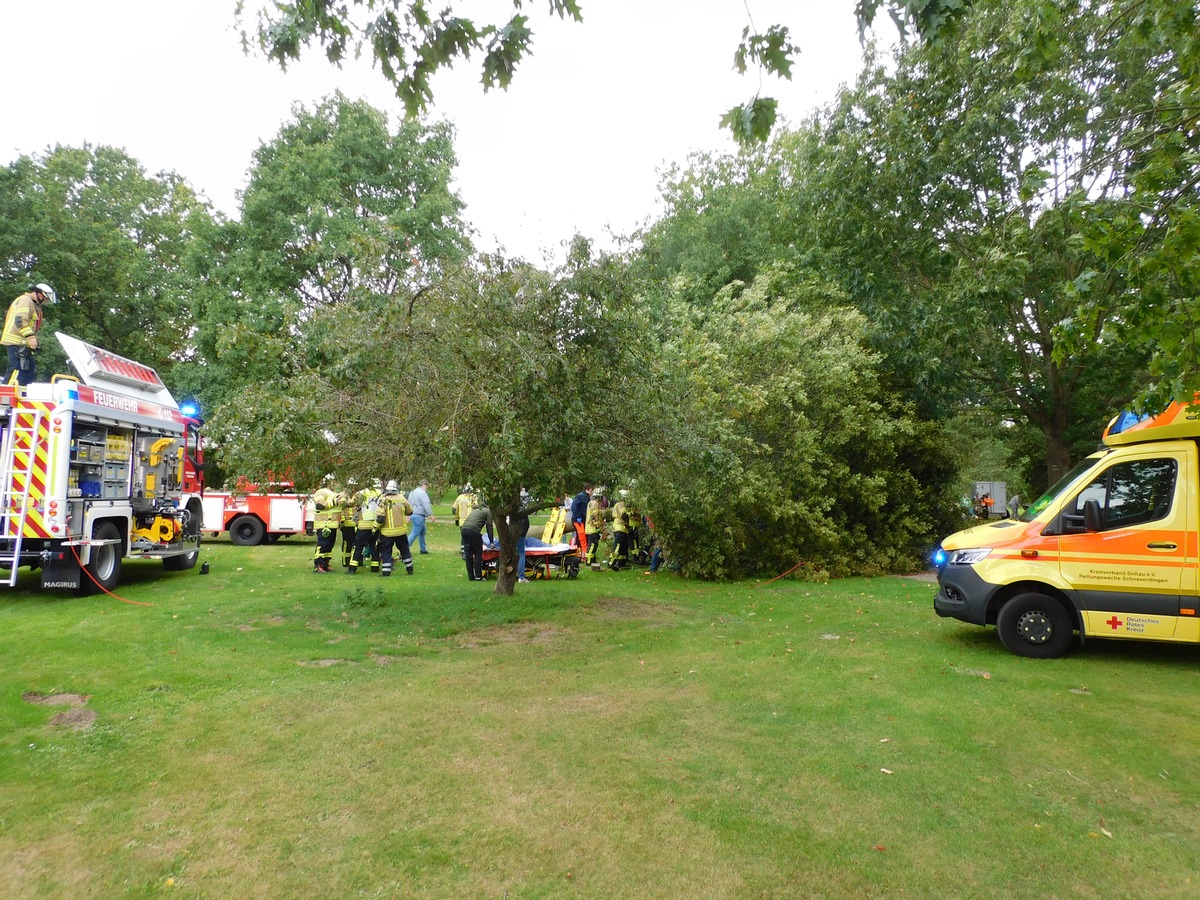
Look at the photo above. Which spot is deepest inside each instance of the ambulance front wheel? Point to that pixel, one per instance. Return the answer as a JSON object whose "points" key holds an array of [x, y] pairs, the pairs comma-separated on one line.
{"points": [[1035, 625], [247, 531], [104, 562]]}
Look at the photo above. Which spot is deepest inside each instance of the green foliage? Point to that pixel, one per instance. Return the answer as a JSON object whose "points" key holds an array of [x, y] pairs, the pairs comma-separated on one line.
{"points": [[408, 42], [751, 123], [338, 204], [726, 219], [785, 448], [771, 50], [927, 19], [493, 374], [1151, 238], [956, 200], [114, 242], [410, 45], [341, 211]]}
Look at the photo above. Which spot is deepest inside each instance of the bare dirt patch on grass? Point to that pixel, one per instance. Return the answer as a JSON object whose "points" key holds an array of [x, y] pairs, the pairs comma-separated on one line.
{"points": [[55, 699], [514, 633], [622, 609], [78, 719], [320, 663]]}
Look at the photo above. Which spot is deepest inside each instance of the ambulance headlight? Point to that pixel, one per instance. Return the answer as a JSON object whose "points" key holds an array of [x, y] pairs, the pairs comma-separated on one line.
{"points": [[969, 557]]}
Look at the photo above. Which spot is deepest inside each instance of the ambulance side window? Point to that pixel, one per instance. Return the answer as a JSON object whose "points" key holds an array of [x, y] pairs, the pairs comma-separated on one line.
{"points": [[1129, 493]]}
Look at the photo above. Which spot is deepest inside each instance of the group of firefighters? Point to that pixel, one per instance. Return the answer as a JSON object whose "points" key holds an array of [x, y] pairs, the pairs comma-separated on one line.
{"points": [[593, 517], [373, 525]]}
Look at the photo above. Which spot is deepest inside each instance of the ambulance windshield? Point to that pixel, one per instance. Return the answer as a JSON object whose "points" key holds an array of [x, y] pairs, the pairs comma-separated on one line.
{"points": [[1036, 507]]}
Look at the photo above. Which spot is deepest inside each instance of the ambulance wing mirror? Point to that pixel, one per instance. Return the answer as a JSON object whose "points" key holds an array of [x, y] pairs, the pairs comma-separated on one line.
{"points": [[1093, 518]]}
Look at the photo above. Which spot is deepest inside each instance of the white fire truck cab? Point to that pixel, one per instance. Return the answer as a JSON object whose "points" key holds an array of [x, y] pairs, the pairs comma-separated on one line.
{"points": [[96, 469]]}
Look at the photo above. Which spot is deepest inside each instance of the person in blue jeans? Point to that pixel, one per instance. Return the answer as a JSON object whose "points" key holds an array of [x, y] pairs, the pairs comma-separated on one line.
{"points": [[418, 499], [519, 526]]}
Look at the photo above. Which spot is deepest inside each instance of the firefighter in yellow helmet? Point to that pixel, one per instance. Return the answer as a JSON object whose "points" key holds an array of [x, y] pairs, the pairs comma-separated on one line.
{"points": [[21, 326], [392, 519]]}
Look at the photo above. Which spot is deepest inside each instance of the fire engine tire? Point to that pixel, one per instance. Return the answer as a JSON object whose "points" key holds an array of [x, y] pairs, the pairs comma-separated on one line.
{"points": [[104, 564], [1035, 625], [247, 531]]}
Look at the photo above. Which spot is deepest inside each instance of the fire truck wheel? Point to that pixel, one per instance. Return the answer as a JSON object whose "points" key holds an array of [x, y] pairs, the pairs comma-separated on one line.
{"points": [[104, 566], [1035, 625], [247, 531]]}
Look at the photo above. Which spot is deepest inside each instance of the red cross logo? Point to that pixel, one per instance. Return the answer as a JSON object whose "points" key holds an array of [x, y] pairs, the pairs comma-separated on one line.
{"points": [[1114, 623]]}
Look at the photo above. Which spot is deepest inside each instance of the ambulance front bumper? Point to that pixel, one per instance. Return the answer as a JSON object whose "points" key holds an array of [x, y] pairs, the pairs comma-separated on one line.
{"points": [[963, 595]]}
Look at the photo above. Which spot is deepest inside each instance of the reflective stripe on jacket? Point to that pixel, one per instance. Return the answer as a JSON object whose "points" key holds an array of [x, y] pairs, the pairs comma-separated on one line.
{"points": [[22, 322], [367, 501], [393, 515], [327, 508]]}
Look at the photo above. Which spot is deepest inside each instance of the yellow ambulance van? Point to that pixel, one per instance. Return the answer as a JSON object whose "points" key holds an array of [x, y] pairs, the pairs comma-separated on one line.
{"points": [[1109, 552]]}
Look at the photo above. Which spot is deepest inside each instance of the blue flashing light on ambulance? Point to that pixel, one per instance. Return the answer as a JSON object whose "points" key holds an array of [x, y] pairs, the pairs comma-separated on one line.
{"points": [[1111, 551]]}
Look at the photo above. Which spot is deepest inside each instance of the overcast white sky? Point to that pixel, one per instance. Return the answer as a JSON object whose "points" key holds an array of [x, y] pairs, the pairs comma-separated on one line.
{"points": [[575, 144]]}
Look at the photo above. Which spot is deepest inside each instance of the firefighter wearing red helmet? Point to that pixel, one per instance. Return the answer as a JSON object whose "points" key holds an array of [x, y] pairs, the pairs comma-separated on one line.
{"points": [[21, 326]]}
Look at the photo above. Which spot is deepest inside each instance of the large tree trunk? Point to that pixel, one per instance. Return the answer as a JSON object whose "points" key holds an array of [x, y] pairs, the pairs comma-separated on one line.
{"points": [[506, 569], [1058, 453]]}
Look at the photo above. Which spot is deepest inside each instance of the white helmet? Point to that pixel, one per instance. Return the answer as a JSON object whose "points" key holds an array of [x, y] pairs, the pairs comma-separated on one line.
{"points": [[392, 487], [47, 290]]}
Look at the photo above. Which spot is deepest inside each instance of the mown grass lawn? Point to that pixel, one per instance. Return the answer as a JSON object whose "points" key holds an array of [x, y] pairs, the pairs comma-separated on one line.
{"points": [[261, 731]]}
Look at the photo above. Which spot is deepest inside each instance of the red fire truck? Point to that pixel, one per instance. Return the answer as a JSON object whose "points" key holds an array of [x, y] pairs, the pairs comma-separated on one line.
{"points": [[254, 516], [94, 470]]}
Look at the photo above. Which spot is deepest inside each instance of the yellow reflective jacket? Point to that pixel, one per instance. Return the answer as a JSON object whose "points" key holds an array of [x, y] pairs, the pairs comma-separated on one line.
{"points": [[462, 506], [595, 516], [327, 508], [367, 501], [393, 514], [620, 516], [22, 322]]}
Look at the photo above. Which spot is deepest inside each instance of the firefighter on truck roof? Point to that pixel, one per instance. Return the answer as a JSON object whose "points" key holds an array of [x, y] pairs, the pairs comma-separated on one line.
{"points": [[21, 326]]}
